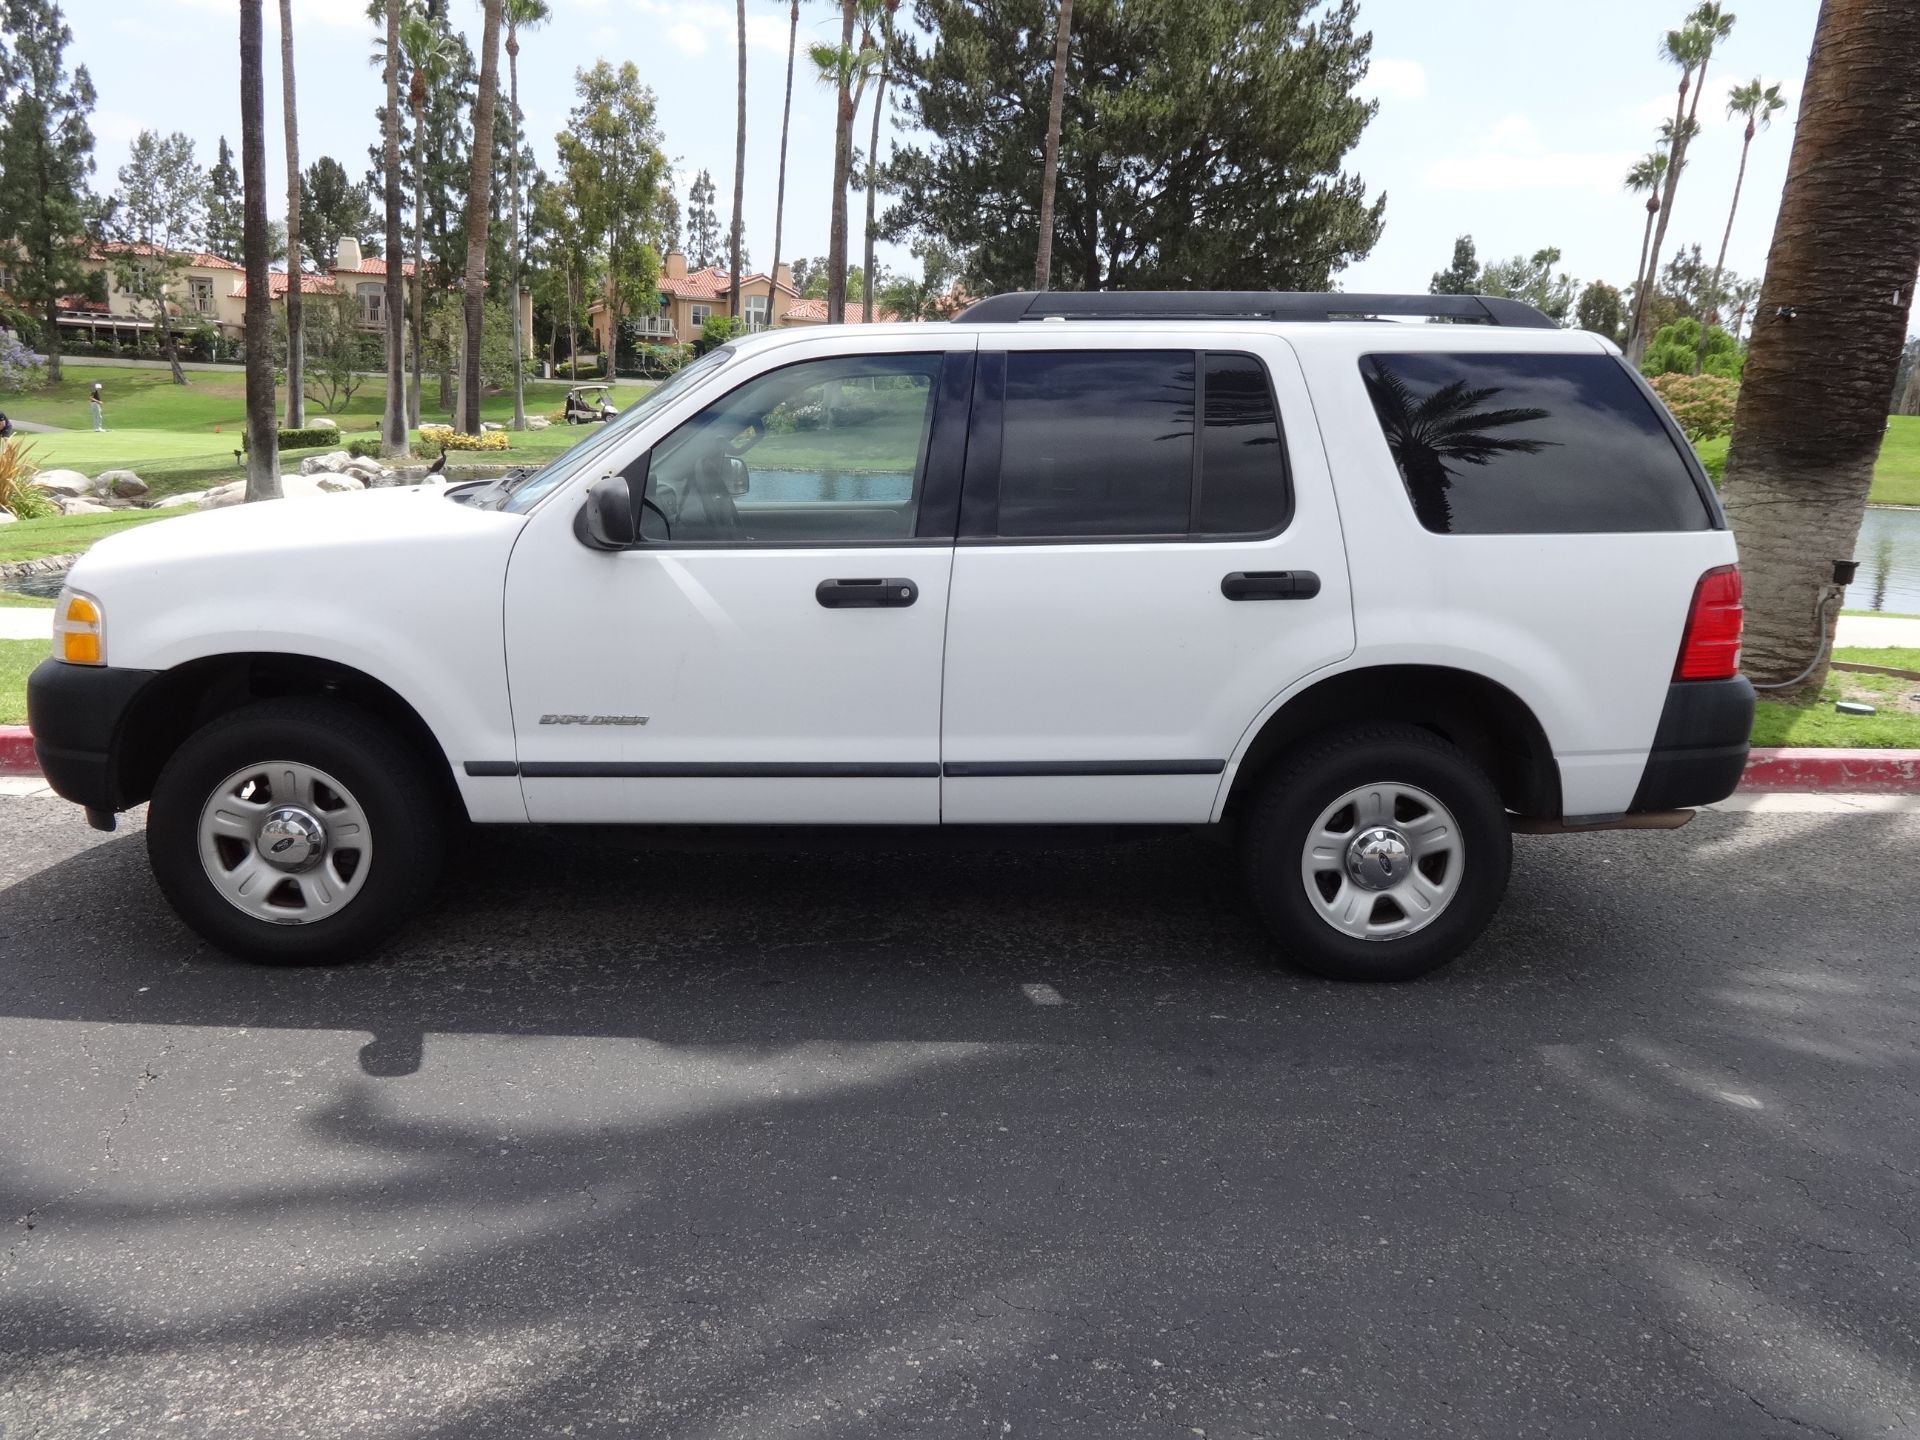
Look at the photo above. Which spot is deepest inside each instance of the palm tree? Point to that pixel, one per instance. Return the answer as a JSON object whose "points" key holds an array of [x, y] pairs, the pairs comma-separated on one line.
{"points": [[393, 421], [1690, 48], [519, 15], [1828, 331], [477, 198], [739, 171], [887, 9], [1644, 179], [846, 69], [1427, 437], [429, 53], [1758, 102], [786, 114], [263, 440], [296, 333], [1744, 294], [1050, 164]]}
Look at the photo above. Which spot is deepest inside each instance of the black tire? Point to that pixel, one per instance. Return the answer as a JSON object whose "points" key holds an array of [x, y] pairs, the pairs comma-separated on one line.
{"points": [[386, 777], [1297, 790]]}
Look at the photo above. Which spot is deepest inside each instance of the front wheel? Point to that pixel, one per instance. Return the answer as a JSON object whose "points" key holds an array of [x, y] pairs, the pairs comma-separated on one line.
{"points": [[1377, 855], [295, 832]]}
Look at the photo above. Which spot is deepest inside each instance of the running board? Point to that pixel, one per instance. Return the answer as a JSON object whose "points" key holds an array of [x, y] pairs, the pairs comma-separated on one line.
{"points": [[1581, 824]]}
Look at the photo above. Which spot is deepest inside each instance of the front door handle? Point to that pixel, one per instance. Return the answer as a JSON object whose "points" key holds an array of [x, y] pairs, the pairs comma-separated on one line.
{"points": [[1270, 585], [865, 594]]}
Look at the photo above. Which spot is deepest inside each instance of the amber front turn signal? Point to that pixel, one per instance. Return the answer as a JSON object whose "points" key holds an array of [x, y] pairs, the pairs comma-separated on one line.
{"points": [[78, 629]]}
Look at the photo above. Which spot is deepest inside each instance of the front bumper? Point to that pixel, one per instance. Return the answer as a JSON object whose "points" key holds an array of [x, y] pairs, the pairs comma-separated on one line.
{"points": [[78, 715], [1700, 749]]}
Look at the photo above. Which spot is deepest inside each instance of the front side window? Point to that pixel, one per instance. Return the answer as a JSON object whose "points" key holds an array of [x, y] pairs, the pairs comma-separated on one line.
{"points": [[1524, 444], [827, 451]]}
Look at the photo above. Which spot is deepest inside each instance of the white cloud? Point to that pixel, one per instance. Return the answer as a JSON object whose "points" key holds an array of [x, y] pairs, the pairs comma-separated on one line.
{"points": [[1514, 156], [688, 37], [1395, 79]]}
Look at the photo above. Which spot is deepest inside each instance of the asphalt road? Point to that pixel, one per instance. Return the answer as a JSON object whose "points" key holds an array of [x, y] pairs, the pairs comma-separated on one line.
{"points": [[743, 1144]]}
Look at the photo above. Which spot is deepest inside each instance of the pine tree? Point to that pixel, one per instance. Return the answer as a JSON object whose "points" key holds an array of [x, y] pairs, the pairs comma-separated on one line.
{"points": [[703, 224], [46, 155], [1462, 277], [224, 214]]}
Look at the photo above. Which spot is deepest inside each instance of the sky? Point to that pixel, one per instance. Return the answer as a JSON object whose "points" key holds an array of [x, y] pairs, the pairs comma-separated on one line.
{"points": [[1513, 122]]}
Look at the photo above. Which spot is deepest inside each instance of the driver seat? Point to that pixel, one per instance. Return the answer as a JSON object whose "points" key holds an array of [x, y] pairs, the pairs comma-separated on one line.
{"points": [[708, 512]]}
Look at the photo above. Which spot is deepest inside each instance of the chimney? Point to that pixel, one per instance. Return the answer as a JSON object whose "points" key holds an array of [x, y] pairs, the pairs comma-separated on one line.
{"points": [[783, 274], [347, 257], [676, 265]]}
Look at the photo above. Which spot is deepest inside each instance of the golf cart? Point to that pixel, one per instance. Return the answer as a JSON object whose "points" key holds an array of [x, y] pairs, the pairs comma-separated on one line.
{"points": [[588, 405]]}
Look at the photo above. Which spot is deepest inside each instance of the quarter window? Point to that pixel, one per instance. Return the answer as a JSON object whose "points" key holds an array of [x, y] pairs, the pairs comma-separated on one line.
{"points": [[1243, 467], [1530, 444]]}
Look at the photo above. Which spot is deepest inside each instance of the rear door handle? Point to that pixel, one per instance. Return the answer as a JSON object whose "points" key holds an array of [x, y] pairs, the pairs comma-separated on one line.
{"points": [[865, 594], [1270, 585]]}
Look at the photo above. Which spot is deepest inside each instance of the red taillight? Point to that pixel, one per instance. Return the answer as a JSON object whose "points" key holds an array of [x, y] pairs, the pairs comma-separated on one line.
{"points": [[1711, 649]]}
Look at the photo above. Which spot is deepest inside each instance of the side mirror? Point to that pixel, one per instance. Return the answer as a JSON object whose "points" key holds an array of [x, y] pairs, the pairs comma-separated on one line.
{"points": [[605, 521], [737, 480]]}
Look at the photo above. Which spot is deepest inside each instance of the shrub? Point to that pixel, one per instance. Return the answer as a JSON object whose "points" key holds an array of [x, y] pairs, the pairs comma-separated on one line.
{"points": [[364, 449], [301, 439], [1675, 347], [20, 368], [719, 329], [16, 495], [445, 437], [1702, 405]]}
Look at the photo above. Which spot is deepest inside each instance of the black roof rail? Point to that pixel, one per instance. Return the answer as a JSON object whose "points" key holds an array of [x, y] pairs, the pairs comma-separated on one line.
{"points": [[1245, 305]]}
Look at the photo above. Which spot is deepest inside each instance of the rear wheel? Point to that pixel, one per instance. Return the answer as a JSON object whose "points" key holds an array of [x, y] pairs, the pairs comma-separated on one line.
{"points": [[1378, 855], [295, 832]]}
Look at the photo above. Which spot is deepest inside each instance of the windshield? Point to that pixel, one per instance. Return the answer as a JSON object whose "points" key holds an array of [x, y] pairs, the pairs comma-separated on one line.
{"points": [[530, 490]]}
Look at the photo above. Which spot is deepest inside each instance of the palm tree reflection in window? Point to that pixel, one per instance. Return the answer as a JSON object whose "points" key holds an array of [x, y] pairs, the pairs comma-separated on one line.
{"points": [[1429, 437]]}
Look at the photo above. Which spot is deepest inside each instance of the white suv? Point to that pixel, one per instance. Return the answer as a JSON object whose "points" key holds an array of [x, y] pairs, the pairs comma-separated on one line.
{"points": [[1371, 595]]}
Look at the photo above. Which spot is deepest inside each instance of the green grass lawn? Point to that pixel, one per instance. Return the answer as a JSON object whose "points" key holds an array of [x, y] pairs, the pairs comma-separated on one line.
{"points": [[69, 534], [1816, 723], [11, 601], [1896, 479], [182, 438], [17, 659]]}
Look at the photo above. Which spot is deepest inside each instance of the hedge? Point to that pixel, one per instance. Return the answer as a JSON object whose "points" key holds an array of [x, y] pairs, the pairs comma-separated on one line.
{"points": [[302, 439], [447, 438]]}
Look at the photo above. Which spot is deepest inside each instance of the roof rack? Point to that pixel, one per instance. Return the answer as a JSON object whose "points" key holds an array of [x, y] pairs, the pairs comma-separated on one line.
{"points": [[1246, 305]]}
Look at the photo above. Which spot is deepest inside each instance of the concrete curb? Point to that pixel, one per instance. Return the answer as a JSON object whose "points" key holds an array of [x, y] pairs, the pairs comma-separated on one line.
{"points": [[1879, 772]]}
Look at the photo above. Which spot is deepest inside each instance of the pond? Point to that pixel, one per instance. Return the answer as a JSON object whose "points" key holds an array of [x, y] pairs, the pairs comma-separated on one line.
{"points": [[1889, 556]]}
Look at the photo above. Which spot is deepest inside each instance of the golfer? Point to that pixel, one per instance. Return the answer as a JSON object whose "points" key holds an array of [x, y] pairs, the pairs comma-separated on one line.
{"points": [[98, 405]]}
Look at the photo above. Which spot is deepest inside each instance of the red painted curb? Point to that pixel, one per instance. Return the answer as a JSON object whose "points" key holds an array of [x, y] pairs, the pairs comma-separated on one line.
{"points": [[1880, 772], [16, 751]]}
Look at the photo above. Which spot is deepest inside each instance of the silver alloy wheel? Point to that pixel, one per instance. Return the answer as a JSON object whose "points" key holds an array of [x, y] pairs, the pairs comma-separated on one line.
{"points": [[285, 842], [1382, 861]]}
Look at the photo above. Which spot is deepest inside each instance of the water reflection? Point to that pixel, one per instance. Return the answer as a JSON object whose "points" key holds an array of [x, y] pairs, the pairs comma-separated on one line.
{"points": [[1889, 554]]}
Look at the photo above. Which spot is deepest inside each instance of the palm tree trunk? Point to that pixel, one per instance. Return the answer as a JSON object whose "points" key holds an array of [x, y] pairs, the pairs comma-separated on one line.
{"points": [[477, 199], [416, 295], [1829, 327], [1646, 240], [263, 440], [393, 420], [780, 188], [513, 179], [739, 169], [873, 179], [1643, 286], [296, 330], [842, 165], [1726, 236], [1050, 164]]}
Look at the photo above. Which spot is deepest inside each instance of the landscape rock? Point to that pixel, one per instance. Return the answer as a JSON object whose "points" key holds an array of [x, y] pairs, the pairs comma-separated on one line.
{"points": [[62, 482], [174, 502], [74, 505], [538, 422], [7, 517], [333, 484], [221, 496], [123, 484], [331, 463], [323, 424], [486, 425]]}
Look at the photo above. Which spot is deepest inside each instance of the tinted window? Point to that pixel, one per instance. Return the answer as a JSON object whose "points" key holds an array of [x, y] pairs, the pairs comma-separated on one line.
{"points": [[1097, 443], [821, 452], [1530, 444], [1243, 475]]}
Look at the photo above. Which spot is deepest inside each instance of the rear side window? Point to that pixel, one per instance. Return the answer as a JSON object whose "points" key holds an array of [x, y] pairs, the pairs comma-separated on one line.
{"points": [[1097, 442], [1101, 443], [1530, 444]]}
